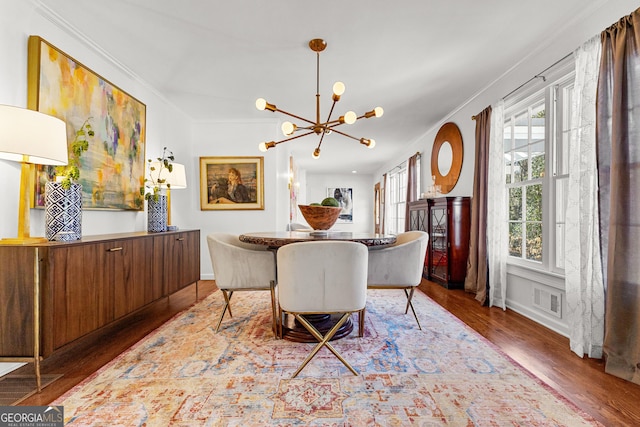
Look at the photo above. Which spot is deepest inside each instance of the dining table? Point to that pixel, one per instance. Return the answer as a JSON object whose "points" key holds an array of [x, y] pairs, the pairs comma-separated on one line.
{"points": [[276, 239], [291, 329]]}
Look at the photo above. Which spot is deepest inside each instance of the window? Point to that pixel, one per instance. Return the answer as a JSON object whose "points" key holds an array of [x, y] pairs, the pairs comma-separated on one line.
{"points": [[397, 200], [536, 133]]}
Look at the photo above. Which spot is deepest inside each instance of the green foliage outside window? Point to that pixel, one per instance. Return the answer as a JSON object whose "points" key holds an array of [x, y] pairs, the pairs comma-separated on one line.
{"points": [[525, 199]]}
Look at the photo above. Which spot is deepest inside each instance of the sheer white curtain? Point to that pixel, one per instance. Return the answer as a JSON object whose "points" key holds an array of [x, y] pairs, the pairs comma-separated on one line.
{"points": [[583, 268], [496, 211]]}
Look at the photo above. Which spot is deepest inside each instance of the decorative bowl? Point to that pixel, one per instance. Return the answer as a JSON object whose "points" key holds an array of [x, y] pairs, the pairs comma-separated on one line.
{"points": [[320, 217]]}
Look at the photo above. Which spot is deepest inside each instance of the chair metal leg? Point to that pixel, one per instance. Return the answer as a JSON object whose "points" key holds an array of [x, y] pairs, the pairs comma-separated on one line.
{"points": [[227, 306], [410, 304], [361, 322], [323, 341], [274, 319]]}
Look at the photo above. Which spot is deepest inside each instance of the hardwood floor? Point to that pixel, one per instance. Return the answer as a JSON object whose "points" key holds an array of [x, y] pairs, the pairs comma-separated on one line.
{"points": [[546, 354], [608, 399]]}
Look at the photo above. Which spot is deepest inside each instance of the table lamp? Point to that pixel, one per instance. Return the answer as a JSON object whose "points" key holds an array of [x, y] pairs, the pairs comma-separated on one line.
{"points": [[177, 179], [30, 137]]}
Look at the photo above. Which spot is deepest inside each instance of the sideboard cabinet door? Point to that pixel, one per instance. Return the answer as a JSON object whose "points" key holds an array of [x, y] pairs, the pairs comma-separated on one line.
{"points": [[81, 280], [182, 260]]}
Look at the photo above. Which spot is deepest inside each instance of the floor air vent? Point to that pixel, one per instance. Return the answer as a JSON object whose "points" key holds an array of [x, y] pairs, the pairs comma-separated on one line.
{"points": [[548, 301]]}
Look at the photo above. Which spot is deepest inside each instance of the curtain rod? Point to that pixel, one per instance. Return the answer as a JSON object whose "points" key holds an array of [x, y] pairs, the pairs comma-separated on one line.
{"points": [[537, 76], [400, 165]]}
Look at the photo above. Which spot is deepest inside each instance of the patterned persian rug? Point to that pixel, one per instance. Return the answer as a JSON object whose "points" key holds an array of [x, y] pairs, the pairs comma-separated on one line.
{"points": [[184, 374]]}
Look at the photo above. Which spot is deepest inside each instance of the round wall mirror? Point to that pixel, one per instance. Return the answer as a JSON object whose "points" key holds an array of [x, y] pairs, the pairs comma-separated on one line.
{"points": [[446, 157]]}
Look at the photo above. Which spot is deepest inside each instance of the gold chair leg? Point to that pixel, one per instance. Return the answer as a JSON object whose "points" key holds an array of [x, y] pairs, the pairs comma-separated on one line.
{"points": [[324, 341], [227, 306], [410, 305]]}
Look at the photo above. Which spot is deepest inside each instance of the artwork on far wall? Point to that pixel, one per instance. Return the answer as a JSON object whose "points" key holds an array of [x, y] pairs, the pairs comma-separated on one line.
{"points": [[112, 169], [231, 183], [293, 190], [344, 196]]}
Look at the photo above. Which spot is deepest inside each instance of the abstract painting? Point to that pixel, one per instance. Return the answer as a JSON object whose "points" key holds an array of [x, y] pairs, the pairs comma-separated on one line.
{"points": [[344, 196], [112, 169]]}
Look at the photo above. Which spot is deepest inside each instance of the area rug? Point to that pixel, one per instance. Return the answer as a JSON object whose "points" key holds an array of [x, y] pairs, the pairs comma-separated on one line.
{"points": [[186, 374]]}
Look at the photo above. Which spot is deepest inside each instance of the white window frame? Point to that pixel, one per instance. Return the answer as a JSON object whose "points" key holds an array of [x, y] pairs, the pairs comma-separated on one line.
{"points": [[397, 195], [554, 88]]}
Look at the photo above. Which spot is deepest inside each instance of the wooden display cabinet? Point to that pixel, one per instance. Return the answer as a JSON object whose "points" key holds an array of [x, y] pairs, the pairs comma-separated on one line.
{"points": [[448, 222]]}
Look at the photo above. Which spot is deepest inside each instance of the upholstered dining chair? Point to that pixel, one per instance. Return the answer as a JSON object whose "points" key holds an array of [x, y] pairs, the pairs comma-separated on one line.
{"points": [[293, 226], [322, 277], [399, 266], [240, 266]]}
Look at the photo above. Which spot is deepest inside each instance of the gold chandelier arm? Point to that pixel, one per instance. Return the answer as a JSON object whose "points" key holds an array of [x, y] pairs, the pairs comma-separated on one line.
{"points": [[326, 124], [294, 116], [376, 112], [293, 137], [333, 129], [316, 152]]}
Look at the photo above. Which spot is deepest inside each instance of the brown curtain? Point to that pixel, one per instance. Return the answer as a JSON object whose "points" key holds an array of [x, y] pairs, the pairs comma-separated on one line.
{"points": [[412, 187], [477, 268], [618, 145]]}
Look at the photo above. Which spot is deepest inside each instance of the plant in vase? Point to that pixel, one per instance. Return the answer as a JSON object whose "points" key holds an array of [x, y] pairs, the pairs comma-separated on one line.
{"points": [[154, 189], [63, 198]]}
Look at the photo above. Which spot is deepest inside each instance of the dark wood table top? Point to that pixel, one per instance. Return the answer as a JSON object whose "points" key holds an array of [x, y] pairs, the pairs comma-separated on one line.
{"points": [[276, 239]]}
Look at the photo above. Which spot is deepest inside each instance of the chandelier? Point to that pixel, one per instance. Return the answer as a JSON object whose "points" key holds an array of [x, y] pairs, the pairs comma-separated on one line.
{"points": [[318, 127]]}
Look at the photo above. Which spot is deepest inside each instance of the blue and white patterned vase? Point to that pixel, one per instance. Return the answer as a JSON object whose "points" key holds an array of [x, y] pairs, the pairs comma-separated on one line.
{"points": [[157, 214], [63, 212]]}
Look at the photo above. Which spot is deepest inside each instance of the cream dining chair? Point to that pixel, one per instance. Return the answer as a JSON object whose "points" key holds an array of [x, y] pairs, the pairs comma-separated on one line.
{"points": [[293, 226], [239, 266], [322, 277], [399, 266]]}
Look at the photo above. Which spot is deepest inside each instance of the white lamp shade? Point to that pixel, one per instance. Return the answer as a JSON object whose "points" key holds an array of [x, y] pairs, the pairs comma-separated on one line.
{"points": [[177, 178], [32, 137]]}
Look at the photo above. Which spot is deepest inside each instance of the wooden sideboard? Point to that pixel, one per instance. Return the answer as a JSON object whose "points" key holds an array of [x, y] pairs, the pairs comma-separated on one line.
{"points": [[87, 284]]}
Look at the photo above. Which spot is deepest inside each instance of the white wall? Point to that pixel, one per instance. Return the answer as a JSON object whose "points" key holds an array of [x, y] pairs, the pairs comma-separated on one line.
{"points": [[316, 190], [587, 23], [239, 139], [166, 126]]}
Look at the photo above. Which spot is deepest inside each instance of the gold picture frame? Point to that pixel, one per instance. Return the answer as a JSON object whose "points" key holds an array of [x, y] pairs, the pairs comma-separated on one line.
{"points": [[231, 183], [113, 168]]}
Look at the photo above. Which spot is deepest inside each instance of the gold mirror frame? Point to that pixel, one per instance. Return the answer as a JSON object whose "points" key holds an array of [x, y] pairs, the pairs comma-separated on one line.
{"points": [[451, 133]]}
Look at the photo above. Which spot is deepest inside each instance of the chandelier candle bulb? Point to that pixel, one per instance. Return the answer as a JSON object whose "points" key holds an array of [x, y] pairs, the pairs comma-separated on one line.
{"points": [[264, 146], [350, 117], [262, 104], [288, 128]]}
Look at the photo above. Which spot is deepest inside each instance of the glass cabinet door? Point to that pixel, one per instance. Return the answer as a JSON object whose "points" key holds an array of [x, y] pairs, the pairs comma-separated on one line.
{"points": [[438, 238]]}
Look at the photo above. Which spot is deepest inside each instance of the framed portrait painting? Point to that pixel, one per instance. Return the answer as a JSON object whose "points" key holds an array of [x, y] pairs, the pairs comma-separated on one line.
{"points": [[112, 169], [344, 196], [231, 183]]}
